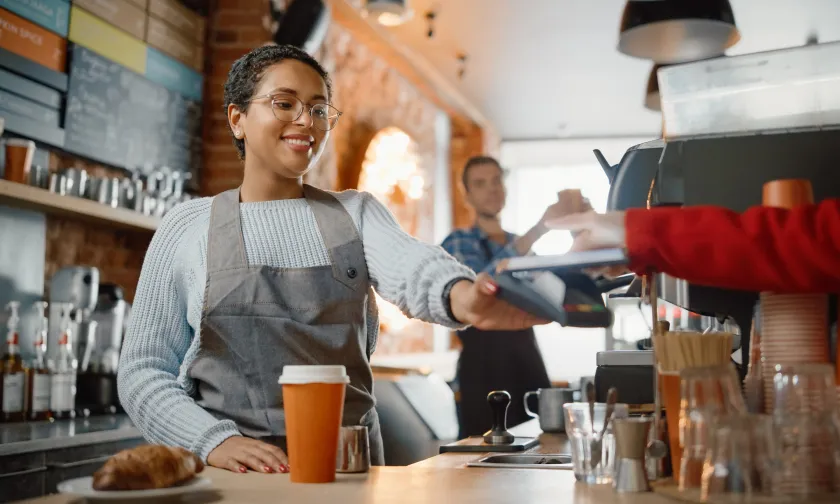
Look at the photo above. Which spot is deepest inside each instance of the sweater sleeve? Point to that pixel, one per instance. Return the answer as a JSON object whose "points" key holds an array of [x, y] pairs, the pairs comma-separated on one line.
{"points": [[405, 271], [156, 341], [763, 249]]}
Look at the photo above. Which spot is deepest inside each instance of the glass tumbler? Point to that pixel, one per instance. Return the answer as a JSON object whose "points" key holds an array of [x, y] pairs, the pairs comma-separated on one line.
{"points": [[807, 421], [707, 393], [742, 457], [584, 433]]}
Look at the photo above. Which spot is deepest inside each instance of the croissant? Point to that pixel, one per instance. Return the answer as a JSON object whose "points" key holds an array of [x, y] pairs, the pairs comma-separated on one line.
{"points": [[147, 467]]}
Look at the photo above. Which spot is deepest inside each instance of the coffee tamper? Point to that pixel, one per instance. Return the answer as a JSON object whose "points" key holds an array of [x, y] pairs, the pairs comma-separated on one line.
{"points": [[499, 400], [631, 439]]}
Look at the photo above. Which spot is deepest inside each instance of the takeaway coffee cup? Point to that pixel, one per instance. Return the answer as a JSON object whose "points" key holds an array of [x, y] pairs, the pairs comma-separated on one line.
{"points": [[19, 153], [313, 401]]}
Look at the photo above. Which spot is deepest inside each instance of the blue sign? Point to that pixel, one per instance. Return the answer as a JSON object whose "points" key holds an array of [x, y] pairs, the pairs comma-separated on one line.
{"points": [[54, 15], [174, 75]]}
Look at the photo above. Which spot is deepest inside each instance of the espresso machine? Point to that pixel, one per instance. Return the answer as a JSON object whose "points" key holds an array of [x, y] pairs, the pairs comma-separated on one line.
{"points": [[731, 125]]}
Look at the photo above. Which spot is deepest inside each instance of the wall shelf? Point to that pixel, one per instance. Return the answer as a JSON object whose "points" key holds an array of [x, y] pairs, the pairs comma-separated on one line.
{"points": [[40, 200]]}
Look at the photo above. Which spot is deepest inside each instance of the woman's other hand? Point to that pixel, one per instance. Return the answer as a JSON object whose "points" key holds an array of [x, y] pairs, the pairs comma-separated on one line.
{"points": [[239, 453]]}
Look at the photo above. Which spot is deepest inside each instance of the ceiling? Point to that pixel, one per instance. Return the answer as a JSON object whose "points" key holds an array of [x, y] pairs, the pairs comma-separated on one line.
{"points": [[547, 69]]}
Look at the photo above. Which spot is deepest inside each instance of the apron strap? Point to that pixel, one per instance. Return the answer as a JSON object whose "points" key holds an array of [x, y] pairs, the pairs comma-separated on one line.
{"points": [[225, 244], [347, 253]]}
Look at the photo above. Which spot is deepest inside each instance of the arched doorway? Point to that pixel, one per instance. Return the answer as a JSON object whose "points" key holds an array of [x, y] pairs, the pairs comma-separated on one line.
{"points": [[391, 172]]}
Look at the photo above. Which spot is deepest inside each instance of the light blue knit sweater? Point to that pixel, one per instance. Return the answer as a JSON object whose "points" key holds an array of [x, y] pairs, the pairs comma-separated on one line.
{"points": [[163, 333]]}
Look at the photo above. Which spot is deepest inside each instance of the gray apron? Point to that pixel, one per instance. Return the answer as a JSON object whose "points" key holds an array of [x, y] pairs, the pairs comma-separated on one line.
{"points": [[257, 319]]}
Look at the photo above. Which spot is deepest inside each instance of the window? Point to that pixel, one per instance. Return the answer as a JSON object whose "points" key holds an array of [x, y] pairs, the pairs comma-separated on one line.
{"points": [[537, 171]]}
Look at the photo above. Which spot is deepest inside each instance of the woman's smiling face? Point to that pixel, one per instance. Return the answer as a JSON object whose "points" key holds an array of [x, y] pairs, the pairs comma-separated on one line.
{"points": [[288, 148]]}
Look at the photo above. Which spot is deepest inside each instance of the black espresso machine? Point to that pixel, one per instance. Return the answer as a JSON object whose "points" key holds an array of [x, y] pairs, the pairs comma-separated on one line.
{"points": [[732, 125], [728, 171]]}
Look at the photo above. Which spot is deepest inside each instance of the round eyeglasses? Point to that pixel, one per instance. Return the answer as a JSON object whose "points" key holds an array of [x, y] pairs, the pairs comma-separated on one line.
{"points": [[289, 108]]}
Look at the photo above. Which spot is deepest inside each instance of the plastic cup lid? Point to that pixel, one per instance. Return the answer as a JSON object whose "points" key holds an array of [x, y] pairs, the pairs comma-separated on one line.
{"points": [[20, 142], [299, 375]]}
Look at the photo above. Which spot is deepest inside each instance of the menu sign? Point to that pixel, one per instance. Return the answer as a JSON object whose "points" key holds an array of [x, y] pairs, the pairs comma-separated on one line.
{"points": [[115, 44], [120, 13], [53, 15], [160, 36], [118, 117], [29, 109], [32, 42], [179, 17]]}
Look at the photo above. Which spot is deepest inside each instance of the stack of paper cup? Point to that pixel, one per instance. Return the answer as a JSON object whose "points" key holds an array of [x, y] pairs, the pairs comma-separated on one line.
{"points": [[794, 326]]}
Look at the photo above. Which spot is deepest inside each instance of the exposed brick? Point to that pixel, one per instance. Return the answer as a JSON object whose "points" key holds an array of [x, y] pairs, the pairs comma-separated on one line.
{"points": [[223, 57], [225, 36], [243, 5], [218, 136], [226, 19], [250, 35], [225, 172]]}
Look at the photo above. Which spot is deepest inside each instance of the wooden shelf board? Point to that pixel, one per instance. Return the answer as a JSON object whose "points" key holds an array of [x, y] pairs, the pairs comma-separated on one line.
{"points": [[37, 199]]}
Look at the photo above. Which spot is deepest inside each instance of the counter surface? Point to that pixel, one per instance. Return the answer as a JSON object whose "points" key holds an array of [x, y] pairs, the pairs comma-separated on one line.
{"points": [[439, 479], [37, 436]]}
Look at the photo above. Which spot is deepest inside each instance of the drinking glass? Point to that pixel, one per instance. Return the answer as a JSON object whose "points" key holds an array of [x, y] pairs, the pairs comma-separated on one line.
{"points": [[579, 428], [804, 388], [806, 418], [707, 394], [741, 458]]}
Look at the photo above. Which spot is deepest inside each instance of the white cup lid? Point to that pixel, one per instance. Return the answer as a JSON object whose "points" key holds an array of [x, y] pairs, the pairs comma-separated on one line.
{"points": [[299, 375], [20, 142]]}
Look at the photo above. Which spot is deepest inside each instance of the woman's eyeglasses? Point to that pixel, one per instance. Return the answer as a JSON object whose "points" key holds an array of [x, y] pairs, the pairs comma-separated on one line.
{"points": [[289, 108]]}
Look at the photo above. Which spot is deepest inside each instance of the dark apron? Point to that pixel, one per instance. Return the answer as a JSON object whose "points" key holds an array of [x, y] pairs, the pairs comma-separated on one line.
{"points": [[496, 360], [257, 319]]}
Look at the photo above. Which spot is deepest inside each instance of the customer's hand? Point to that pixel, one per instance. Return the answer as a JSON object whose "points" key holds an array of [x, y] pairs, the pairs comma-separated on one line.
{"points": [[595, 231], [569, 202], [239, 453], [476, 304]]}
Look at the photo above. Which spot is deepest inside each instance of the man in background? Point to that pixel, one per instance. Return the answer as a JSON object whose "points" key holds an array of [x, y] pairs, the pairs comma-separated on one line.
{"points": [[497, 360]]}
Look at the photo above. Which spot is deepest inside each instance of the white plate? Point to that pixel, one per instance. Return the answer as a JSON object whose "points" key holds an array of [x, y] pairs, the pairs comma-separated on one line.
{"points": [[83, 487]]}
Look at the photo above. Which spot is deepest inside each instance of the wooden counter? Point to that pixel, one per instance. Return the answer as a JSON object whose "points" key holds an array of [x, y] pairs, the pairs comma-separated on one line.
{"points": [[441, 479]]}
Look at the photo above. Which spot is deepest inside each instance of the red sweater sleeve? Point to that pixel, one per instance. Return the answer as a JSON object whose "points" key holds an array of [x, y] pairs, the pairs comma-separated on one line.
{"points": [[763, 249]]}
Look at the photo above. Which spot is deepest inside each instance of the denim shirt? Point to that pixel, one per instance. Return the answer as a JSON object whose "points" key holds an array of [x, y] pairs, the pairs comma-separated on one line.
{"points": [[474, 248]]}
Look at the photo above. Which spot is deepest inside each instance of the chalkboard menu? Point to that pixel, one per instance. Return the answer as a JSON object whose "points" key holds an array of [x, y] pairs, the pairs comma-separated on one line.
{"points": [[118, 117]]}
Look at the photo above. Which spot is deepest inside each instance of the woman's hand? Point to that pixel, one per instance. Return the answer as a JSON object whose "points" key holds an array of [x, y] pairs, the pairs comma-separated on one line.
{"points": [[476, 304], [239, 453]]}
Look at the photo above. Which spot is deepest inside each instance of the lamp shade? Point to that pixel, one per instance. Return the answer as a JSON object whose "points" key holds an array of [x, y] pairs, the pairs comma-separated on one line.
{"points": [[304, 24], [676, 31], [388, 12]]}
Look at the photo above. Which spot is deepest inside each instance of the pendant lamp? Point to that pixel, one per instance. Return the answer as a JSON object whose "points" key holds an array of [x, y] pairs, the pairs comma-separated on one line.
{"points": [[676, 31], [388, 12]]}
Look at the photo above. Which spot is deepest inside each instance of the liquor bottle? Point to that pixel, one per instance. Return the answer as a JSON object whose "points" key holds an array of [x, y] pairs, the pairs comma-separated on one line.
{"points": [[38, 375], [63, 376], [12, 373]]}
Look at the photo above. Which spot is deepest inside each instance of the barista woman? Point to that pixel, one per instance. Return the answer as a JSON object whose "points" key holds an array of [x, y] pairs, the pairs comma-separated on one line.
{"points": [[763, 249], [277, 272]]}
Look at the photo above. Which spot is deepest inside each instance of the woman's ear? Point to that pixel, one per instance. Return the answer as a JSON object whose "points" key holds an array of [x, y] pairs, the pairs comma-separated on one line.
{"points": [[236, 121]]}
